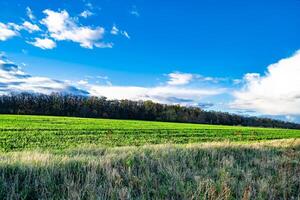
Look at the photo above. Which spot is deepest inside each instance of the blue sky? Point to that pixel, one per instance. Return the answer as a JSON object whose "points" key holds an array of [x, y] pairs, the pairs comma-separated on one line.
{"points": [[216, 54]]}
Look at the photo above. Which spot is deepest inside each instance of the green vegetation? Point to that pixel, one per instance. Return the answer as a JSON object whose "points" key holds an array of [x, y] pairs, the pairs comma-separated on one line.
{"points": [[78, 158], [56, 133], [100, 107], [269, 170]]}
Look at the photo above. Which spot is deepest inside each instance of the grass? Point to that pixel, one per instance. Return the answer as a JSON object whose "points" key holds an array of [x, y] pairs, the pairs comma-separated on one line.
{"points": [[222, 170], [74, 158], [57, 133]]}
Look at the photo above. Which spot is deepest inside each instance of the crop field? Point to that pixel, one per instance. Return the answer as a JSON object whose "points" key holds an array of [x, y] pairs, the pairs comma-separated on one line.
{"points": [[56, 133], [76, 158]]}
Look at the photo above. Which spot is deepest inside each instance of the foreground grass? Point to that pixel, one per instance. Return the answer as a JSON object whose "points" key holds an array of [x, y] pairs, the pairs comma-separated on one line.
{"points": [[57, 133], [222, 170]]}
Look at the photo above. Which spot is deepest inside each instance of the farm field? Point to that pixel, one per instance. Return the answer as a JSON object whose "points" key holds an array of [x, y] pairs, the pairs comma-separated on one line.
{"points": [[77, 158], [57, 133]]}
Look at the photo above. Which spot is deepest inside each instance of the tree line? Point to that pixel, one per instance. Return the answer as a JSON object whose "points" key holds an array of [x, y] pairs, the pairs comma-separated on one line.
{"points": [[100, 107]]}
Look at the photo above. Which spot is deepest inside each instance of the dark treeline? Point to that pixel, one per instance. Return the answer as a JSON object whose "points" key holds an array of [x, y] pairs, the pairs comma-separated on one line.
{"points": [[100, 107]]}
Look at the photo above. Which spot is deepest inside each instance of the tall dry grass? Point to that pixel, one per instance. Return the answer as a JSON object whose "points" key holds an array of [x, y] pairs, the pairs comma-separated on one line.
{"points": [[200, 171]]}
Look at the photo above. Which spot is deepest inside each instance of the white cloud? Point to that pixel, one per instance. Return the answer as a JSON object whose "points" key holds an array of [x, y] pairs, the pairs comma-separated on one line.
{"points": [[45, 43], [114, 30], [125, 34], [30, 27], [14, 79], [104, 45], [86, 14], [62, 27], [161, 94], [11, 29], [30, 14], [177, 78], [14, 26], [277, 92], [83, 82], [237, 81], [7, 31]]}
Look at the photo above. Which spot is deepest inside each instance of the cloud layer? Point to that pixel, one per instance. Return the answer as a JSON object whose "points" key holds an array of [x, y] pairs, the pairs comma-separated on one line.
{"points": [[161, 94], [277, 92], [178, 78], [14, 79]]}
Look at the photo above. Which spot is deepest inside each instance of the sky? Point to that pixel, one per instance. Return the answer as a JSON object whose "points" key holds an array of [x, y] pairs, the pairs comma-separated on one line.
{"points": [[233, 56]]}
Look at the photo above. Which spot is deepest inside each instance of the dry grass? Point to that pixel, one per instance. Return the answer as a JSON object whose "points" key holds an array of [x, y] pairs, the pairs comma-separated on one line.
{"points": [[220, 170]]}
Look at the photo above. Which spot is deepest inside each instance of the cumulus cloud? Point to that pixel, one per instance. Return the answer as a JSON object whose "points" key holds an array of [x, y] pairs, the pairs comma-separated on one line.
{"points": [[62, 27], [30, 27], [277, 92], [14, 79], [7, 31], [59, 26], [11, 29], [44, 43]]}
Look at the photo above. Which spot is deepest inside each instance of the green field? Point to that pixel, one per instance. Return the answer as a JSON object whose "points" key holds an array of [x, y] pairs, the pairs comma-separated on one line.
{"points": [[54, 133], [75, 158]]}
